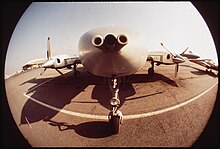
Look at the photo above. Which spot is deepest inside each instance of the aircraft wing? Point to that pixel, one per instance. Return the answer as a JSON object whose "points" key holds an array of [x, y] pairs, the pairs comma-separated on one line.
{"points": [[208, 63], [32, 63], [72, 61], [199, 60], [203, 62]]}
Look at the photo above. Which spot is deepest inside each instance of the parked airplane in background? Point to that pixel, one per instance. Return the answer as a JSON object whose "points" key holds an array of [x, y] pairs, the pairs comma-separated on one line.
{"points": [[160, 57], [189, 55], [59, 61], [34, 64], [208, 63]]}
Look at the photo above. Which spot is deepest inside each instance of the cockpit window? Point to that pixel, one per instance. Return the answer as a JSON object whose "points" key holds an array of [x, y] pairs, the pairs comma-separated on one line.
{"points": [[168, 56]]}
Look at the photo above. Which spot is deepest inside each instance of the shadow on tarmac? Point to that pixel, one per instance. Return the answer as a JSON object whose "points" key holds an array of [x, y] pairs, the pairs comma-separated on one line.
{"points": [[61, 91], [145, 78], [57, 92], [93, 129], [103, 94], [200, 71]]}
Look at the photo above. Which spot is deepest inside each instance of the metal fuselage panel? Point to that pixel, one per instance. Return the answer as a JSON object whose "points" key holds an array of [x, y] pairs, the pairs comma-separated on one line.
{"points": [[59, 61], [127, 61], [162, 57]]}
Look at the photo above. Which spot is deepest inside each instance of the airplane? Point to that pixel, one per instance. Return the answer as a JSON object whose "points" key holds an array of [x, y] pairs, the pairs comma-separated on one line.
{"points": [[160, 57], [189, 55], [208, 63], [34, 64], [116, 52], [113, 52], [59, 61]]}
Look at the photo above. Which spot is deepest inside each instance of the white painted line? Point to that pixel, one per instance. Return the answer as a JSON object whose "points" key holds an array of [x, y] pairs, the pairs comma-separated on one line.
{"points": [[28, 122], [67, 111], [125, 116], [169, 108]]}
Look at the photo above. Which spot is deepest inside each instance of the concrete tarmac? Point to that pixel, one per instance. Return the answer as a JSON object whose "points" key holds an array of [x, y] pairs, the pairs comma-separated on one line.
{"points": [[159, 110]]}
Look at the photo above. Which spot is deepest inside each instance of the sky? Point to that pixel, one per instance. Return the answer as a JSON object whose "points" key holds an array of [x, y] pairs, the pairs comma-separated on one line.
{"points": [[177, 25]]}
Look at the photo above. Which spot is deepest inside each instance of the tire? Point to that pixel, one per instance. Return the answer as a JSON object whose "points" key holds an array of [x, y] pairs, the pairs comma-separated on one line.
{"points": [[76, 74], [150, 71], [69, 67], [115, 124]]}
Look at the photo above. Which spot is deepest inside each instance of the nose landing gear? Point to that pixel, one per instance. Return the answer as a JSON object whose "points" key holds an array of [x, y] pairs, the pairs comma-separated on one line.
{"points": [[115, 119], [115, 116]]}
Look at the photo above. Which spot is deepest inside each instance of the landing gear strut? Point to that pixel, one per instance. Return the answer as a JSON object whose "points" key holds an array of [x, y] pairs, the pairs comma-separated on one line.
{"points": [[115, 116], [76, 73], [151, 69]]}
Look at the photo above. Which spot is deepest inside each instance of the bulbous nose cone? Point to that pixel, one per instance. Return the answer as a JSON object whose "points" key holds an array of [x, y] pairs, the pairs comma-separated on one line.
{"points": [[110, 43], [114, 50]]}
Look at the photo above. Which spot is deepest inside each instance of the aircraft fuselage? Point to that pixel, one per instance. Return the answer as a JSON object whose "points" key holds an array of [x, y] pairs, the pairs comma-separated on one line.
{"points": [[112, 51], [58, 62]]}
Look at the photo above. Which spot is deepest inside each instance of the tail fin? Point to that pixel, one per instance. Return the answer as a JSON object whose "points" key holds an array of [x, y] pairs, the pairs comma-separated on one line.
{"points": [[184, 51], [48, 48]]}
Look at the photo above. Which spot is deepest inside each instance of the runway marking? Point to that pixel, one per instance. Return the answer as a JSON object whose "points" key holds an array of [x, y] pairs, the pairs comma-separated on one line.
{"points": [[67, 111], [169, 108], [28, 122], [125, 117]]}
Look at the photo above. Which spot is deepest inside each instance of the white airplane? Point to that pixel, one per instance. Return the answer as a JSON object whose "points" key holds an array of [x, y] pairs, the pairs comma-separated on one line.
{"points": [[160, 57], [207, 63], [189, 55], [113, 53], [36, 63], [59, 61]]}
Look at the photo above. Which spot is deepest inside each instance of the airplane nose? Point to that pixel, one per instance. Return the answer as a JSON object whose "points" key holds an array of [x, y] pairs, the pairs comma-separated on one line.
{"points": [[48, 64], [110, 43]]}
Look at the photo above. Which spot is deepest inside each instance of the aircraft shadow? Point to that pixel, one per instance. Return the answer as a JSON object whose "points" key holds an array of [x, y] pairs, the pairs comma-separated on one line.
{"points": [[93, 129], [145, 78], [36, 81], [200, 71], [57, 92], [103, 94], [61, 91]]}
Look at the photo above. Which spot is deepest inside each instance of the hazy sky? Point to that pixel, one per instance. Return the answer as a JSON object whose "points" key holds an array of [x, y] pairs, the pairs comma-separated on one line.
{"points": [[177, 25]]}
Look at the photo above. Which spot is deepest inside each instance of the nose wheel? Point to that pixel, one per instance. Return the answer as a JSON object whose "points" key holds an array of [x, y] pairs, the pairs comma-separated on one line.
{"points": [[115, 119], [115, 116]]}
